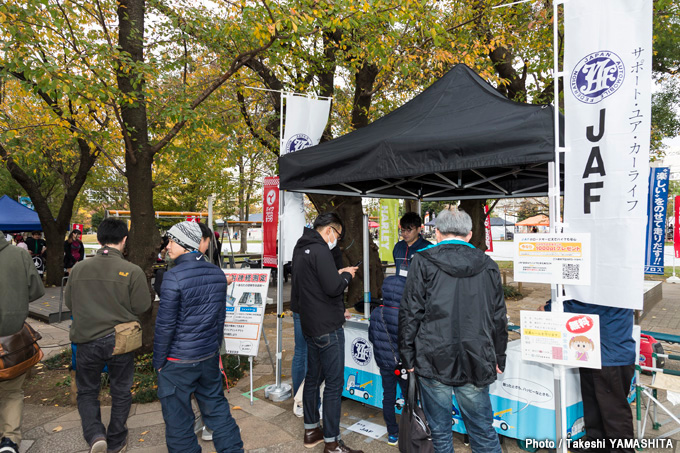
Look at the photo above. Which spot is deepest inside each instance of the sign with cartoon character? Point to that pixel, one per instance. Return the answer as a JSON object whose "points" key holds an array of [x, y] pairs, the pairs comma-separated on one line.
{"points": [[562, 338]]}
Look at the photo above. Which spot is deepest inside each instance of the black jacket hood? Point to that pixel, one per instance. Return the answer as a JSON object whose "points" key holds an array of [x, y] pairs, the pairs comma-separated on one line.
{"points": [[309, 236], [466, 262]]}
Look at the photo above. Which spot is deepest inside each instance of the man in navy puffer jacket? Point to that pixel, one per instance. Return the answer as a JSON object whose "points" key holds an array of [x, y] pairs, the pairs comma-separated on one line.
{"points": [[383, 333], [189, 331]]}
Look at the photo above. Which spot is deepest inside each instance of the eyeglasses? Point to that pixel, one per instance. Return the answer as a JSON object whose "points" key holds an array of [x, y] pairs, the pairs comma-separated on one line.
{"points": [[336, 231]]}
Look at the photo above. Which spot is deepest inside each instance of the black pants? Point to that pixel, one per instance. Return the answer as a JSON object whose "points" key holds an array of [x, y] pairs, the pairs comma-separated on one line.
{"points": [[90, 360], [606, 412]]}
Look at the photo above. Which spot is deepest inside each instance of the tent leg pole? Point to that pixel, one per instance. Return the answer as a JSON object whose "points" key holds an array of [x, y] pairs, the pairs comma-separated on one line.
{"points": [[279, 392], [367, 277]]}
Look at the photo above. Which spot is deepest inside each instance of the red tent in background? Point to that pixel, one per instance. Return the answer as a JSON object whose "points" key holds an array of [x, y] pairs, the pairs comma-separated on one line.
{"points": [[537, 220]]}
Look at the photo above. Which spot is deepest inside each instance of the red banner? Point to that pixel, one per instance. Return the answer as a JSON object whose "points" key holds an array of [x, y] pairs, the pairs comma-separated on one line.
{"points": [[270, 221], [676, 227], [77, 226], [487, 228]]}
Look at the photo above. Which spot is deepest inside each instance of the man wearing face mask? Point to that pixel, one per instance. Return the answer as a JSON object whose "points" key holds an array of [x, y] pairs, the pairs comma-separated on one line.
{"points": [[318, 288]]}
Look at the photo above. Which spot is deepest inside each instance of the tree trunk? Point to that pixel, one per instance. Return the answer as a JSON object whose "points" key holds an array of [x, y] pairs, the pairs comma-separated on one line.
{"points": [[55, 228], [475, 209], [144, 238], [411, 206]]}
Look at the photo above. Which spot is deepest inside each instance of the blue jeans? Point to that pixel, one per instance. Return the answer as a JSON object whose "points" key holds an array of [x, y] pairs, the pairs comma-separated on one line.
{"points": [[389, 384], [176, 382], [91, 358], [475, 408], [299, 367], [325, 361]]}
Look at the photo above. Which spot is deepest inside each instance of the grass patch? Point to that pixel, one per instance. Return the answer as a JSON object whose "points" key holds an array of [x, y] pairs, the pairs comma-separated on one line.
{"points": [[511, 292], [59, 361]]}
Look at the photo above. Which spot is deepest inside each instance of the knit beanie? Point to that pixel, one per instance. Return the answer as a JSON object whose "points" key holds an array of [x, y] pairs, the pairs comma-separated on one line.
{"points": [[186, 234]]}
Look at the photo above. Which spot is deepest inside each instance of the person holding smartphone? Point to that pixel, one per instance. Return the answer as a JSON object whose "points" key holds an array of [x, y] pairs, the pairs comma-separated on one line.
{"points": [[318, 287]]}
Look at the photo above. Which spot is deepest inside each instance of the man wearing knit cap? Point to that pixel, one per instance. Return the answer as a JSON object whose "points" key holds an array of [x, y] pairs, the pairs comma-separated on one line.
{"points": [[189, 331]]}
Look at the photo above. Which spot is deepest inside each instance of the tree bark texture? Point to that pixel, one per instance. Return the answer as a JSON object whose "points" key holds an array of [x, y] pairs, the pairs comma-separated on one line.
{"points": [[475, 209], [55, 228], [351, 212], [144, 238]]}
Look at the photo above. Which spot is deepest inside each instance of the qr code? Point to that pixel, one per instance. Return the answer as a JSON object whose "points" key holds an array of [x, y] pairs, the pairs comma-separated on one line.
{"points": [[570, 271]]}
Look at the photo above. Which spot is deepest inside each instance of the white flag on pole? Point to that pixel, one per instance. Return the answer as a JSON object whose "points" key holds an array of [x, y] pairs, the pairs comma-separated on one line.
{"points": [[607, 65], [306, 120]]}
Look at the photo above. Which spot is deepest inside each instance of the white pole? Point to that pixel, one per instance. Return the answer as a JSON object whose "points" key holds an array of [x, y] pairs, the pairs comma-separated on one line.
{"points": [[250, 359], [367, 277], [559, 371], [279, 392]]}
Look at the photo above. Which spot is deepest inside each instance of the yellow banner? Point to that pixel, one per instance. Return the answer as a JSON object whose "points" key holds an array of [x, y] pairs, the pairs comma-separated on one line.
{"points": [[389, 228]]}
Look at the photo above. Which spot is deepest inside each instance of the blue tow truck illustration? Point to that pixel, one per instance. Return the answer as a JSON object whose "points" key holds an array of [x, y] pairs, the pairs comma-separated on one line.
{"points": [[355, 388]]}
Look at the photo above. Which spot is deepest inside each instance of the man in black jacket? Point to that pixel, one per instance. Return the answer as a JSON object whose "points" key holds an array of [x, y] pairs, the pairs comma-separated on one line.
{"points": [[318, 288], [452, 332]]}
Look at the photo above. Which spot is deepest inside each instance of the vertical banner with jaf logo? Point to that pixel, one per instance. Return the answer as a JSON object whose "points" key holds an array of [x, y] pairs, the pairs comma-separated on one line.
{"points": [[306, 119], [607, 65], [270, 221], [656, 220], [389, 228]]}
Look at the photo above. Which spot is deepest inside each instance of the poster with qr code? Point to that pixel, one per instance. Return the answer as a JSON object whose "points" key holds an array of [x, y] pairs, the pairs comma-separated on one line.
{"points": [[570, 339], [552, 258]]}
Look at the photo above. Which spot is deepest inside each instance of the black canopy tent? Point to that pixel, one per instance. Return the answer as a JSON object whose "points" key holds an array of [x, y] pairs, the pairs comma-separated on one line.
{"points": [[458, 139]]}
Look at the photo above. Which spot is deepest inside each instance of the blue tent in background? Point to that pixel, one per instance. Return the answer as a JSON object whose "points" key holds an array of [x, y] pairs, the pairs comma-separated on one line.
{"points": [[15, 217]]}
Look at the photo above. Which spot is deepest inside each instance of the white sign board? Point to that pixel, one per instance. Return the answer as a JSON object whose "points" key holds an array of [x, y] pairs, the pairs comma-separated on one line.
{"points": [[369, 429], [246, 299], [552, 258], [570, 339]]}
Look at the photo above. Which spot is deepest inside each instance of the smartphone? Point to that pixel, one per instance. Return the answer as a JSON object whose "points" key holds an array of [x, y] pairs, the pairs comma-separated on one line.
{"points": [[358, 263]]}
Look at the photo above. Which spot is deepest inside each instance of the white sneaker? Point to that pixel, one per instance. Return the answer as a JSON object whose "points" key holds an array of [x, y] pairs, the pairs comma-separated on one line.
{"points": [[99, 446], [297, 410], [207, 434]]}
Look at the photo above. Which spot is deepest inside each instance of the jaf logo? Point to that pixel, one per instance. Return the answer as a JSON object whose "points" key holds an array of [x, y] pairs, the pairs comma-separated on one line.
{"points": [[597, 76], [361, 351], [298, 142]]}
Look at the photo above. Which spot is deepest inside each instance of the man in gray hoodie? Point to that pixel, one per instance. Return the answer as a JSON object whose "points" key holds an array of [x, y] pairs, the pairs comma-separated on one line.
{"points": [[19, 285]]}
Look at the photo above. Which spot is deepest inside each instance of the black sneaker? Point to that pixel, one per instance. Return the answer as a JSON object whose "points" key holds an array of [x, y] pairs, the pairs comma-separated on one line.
{"points": [[7, 446]]}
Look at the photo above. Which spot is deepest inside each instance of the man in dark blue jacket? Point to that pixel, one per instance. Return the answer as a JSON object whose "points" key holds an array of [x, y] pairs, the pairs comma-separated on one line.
{"points": [[189, 331], [383, 333], [410, 226]]}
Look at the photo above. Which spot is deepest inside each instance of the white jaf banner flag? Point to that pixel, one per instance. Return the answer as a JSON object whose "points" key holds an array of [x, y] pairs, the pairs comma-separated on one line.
{"points": [[607, 70], [306, 119]]}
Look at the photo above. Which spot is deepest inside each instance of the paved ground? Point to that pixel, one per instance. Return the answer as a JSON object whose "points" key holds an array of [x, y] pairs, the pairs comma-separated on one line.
{"points": [[266, 426]]}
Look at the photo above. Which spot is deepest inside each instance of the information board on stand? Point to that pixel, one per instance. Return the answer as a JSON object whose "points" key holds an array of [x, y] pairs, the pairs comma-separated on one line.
{"points": [[246, 299]]}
